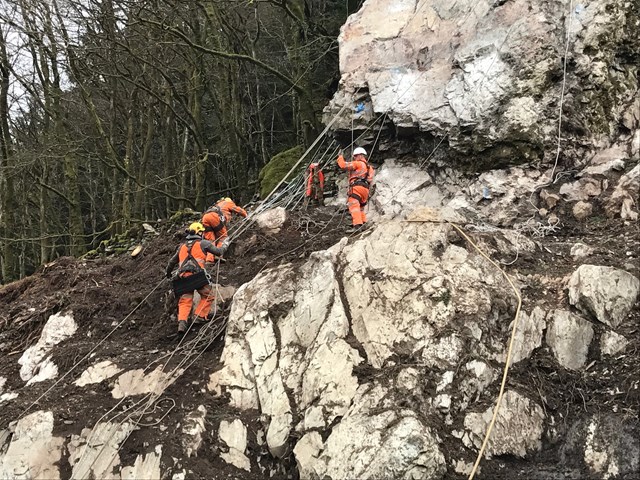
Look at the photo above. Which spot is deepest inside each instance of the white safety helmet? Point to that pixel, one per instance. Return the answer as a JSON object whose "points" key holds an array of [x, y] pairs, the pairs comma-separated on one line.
{"points": [[359, 151]]}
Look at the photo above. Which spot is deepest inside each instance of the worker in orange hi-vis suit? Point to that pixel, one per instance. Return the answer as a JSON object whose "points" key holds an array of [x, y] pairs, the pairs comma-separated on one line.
{"points": [[215, 221], [315, 185], [360, 181], [191, 275]]}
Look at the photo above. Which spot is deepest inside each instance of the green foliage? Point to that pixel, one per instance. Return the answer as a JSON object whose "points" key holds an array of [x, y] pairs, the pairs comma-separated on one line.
{"points": [[274, 171]]}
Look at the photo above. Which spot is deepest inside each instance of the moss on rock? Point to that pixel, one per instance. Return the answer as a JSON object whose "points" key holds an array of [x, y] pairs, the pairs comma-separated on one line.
{"points": [[274, 171], [184, 215]]}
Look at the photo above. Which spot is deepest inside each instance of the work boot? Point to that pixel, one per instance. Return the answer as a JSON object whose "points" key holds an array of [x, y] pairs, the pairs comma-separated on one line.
{"points": [[182, 327], [354, 228], [200, 320]]}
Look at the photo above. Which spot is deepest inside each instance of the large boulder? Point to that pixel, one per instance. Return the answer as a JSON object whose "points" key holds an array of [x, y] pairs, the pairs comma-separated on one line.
{"points": [[392, 443], [488, 75], [301, 338], [624, 199], [606, 444], [569, 337], [271, 221], [517, 431], [607, 293]]}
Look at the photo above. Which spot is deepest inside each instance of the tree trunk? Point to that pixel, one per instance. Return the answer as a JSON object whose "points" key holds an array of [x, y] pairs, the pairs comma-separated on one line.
{"points": [[7, 200]]}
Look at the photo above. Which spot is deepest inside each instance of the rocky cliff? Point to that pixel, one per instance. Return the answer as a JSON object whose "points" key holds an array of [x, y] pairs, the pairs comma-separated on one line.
{"points": [[489, 77]]}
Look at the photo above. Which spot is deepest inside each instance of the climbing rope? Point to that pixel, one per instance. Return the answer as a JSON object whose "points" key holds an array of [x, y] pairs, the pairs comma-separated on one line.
{"points": [[515, 322], [507, 364], [163, 383], [540, 229]]}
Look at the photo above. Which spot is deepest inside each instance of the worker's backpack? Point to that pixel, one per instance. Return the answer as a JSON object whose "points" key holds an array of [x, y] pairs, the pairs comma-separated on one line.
{"points": [[223, 219], [197, 277]]}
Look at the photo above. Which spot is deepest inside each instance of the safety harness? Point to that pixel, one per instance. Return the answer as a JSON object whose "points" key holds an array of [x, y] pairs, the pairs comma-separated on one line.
{"points": [[360, 181], [189, 264], [197, 278]]}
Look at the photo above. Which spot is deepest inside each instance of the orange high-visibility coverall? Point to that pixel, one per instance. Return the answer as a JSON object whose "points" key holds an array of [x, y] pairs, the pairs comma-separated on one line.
{"points": [[360, 179], [315, 183], [215, 221], [199, 249]]}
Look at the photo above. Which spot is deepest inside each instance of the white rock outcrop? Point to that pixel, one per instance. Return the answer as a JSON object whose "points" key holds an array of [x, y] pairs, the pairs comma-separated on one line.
{"points": [[607, 293], [400, 188], [306, 452], [234, 435], [271, 221], [137, 382], [97, 373], [517, 431], [481, 74], [528, 334], [33, 452], [624, 199], [94, 453], [569, 337], [192, 430], [145, 467], [35, 366], [297, 335], [391, 443]]}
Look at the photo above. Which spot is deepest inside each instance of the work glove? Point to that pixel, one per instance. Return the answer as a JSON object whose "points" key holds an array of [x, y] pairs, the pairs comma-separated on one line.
{"points": [[168, 274]]}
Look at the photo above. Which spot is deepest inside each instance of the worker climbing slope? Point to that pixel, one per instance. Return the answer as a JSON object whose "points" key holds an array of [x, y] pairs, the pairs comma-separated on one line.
{"points": [[360, 182], [191, 275], [215, 220], [315, 185]]}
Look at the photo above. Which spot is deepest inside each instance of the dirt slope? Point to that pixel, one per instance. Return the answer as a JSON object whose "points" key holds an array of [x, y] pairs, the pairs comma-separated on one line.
{"points": [[101, 293]]}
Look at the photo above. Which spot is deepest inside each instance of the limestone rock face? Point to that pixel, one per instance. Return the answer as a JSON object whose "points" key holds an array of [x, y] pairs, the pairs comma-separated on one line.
{"points": [[607, 445], [607, 293], [95, 452], [35, 364], [517, 431], [298, 336], [145, 466], [569, 337], [624, 199], [488, 74], [234, 435], [33, 452], [529, 334], [391, 443]]}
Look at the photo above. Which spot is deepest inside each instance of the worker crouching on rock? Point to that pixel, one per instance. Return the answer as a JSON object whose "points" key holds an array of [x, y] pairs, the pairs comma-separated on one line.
{"points": [[360, 181], [215, 221], [191, 275]]}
